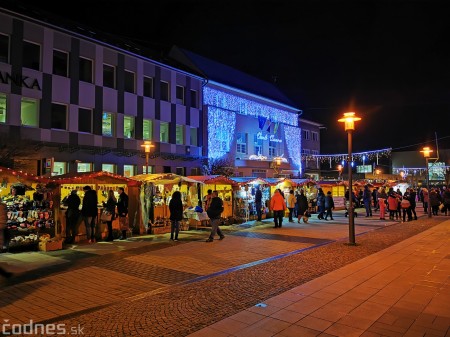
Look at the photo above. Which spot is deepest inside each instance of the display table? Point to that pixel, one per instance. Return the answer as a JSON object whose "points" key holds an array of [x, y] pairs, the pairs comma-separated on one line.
{"points": [[197, 219]]}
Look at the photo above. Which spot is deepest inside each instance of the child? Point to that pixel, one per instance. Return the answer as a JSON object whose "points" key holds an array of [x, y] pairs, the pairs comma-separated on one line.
{"points": [[329, 205]]}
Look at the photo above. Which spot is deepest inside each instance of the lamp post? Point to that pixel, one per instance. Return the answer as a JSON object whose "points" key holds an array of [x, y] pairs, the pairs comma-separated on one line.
{"points": [[426, 153], [349, 120], [340, 167], [147, 146]]}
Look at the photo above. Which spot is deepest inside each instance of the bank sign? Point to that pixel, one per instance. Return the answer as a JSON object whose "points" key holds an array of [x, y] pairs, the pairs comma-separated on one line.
{"points": [[19, 80]]}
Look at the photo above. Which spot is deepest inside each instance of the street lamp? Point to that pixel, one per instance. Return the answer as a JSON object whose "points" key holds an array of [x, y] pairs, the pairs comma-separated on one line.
{"points": [[349, 120], [276, 165], [426, 153], [147, 146], [340, 167]]}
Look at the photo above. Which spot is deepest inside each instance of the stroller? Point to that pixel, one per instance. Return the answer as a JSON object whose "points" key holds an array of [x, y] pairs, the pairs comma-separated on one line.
{"points": [[347, 206]]}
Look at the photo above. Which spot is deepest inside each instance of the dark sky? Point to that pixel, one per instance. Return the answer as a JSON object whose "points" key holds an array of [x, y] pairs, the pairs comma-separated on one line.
{"points": [[387, 60]]}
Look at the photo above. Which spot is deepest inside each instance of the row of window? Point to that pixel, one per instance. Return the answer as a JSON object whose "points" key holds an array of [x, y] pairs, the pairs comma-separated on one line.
{"points": [[308, 151], [60, 167], [310, 135], [29, 116], [242, 145], [32, 59]]}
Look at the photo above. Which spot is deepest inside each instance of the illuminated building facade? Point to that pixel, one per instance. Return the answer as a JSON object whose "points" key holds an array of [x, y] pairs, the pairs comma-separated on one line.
{"points": [[73, 103]]}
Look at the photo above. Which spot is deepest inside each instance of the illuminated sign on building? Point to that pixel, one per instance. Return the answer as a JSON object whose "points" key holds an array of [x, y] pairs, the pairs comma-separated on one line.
{"points": [[271, 138]]}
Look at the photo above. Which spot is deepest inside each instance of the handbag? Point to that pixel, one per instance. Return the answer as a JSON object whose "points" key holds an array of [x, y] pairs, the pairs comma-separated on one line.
{"points": [[106, 216], [405, 203]]}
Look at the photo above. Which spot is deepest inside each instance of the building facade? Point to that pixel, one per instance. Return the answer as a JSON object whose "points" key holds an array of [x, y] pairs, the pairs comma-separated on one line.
{"points": [[72, 103]]}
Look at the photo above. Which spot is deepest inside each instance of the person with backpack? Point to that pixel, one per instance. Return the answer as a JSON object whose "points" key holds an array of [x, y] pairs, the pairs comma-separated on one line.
{"points": [[214, 212]]}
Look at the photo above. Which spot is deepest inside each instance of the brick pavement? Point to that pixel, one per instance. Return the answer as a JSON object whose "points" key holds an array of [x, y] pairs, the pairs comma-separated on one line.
{"points": [[117, 284]]}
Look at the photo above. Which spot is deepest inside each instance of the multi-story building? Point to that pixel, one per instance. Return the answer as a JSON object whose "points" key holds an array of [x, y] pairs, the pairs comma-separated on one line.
{"points": [[249, 123], [73, 103], [310, 146]]}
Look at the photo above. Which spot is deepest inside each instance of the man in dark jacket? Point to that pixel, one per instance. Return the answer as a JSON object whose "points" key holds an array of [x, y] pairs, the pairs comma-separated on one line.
{"points": [[90, 212], [258, 203], [122, 209], [214, 211], [72, 214]]}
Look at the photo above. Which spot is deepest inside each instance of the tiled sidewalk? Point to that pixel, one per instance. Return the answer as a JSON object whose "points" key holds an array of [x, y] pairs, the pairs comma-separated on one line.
{"points": [[403, 290]]}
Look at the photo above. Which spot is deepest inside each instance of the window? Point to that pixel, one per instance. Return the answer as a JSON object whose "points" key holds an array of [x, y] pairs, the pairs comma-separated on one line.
{"points": [[164, 86], [194, 99], [164, 132], [180, 94], [306, 151], [108, 128], [306, 135], [31, 55], [179, 136], [85, 70], [241, 143], [181, 171], [109, 76], [2, 108], [4, 48], [129, 81], [148, 87], [314, 152], [315, 136], [150, 170], [58, 116], [193, 137], [85, 120], [272, 149], [59, 167], [29, 112], [84, 167], [167, 169], [128, 127], [258, 144], [147, 132], [111, 168], [60, 63], [129, 170]]}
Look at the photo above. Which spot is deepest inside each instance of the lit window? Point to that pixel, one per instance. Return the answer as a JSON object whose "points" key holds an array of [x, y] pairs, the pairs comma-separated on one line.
{"points": [[84, 167], [31, 55], [241, 143], [179, 134], [164, 132], [111, 168], [29, 112], [147, 131], [193, 140], [129, 170], [2, 108], [128, 127], [59, 167], [151, 170], [108, 124]]}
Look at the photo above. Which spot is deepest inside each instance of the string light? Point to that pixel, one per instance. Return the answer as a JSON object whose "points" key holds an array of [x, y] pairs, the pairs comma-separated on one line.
{"points": [[221, 126], [293, 136], [375, 154]]}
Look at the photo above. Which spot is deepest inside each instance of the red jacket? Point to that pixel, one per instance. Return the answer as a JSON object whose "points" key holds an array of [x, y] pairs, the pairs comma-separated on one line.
{"points": [[277, 202]]}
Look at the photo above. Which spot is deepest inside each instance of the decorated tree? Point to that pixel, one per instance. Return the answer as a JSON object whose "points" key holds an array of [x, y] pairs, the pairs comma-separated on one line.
{"points": [[220, 166]]}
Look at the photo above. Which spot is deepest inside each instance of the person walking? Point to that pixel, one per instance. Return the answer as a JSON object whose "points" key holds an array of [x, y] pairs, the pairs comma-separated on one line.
{"points": [[375, 191], [446, 200], [278, 206], [122, 210], [291, 205], [425, 198], [176, 214], [412, 201], [302, 205], [258, 203], [367, 200], [89, 211], [214, 212], [320, 204], [72, 202], [382, 199], [329, 205], [110, 206], [207, 200], [392, 204]]}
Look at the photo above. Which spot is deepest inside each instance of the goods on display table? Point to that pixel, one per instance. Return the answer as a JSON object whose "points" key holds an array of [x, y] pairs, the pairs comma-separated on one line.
{"points": [[155, 195]]}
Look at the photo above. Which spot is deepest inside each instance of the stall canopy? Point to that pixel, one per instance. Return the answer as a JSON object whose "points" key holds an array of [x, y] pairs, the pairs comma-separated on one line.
{"points": [[254, 180], [164, 178], [214, 179], [86, 177], [300, 182]]}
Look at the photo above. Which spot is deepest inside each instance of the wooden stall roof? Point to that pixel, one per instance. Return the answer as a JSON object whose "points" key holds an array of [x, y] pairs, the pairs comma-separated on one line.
{"points": [[253, 180], [214, 179], [92, 177], [164, 178], [300, 182]]}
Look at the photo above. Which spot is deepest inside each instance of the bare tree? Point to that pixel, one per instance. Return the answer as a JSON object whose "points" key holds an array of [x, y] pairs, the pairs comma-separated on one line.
{"points": [[220, 166]]}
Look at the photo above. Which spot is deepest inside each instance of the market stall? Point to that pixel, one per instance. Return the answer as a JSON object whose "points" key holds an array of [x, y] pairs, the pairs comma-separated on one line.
{"points": [[30, 211], [337, 189], [155, 194], [224, 187], [101, 182]]}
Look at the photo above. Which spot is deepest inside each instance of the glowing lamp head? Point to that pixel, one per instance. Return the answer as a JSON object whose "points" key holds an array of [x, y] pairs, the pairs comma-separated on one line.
{"points": [[426, 152], [147, 145], [339, 167], [349, 120], [278, 161]]}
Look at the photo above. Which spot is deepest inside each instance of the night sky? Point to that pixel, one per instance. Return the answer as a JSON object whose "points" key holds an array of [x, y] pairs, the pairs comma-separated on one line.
{"points": [[387, 60]]}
